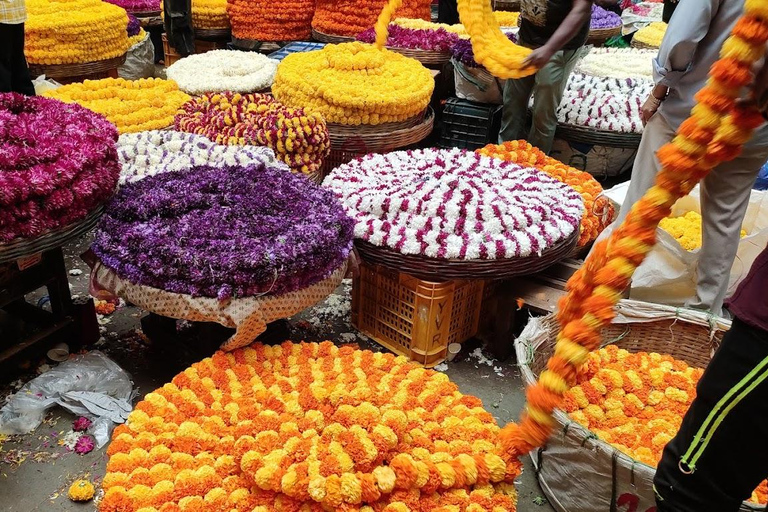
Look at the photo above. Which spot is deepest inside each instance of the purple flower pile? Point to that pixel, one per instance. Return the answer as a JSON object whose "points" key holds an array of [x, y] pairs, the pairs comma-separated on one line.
{"points": [[462, 51], [138, 5], [134, 26], [228, 231], [602, 19], [58, 162], [439, 40]]}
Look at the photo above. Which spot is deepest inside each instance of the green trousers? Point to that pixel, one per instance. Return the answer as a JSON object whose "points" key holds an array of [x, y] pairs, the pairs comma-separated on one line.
{"points": [[547, 87]]}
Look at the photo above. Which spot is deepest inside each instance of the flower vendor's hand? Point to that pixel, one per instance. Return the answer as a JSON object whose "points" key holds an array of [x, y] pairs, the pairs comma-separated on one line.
{"points": [[539, 57], [649, 108]]}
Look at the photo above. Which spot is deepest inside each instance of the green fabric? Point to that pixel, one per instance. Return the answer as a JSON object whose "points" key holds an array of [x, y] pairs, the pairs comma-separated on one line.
{"points": [[547, 87]]}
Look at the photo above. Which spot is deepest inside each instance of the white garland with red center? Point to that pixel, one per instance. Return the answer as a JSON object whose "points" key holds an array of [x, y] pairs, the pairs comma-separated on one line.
{"points": [[454, 204]]}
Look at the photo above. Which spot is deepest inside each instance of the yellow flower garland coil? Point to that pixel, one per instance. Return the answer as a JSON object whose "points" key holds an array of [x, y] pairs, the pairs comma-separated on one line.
{"points": [[74, 31], [132, 105], [354, 83], [501, 57]]}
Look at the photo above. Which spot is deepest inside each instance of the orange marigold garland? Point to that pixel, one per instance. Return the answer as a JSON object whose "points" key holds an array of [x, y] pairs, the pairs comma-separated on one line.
{"points": [[308, 427], [598, 210], [350, 17], [270, 20], [715, 132]]}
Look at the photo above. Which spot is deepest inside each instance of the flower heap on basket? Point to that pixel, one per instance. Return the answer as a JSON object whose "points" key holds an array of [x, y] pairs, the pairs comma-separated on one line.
{"points": [[136, 34], [321, 428], [686, 229], [635, 401], [145, 154], [617, 63], [419, 24], [350, 17], [91, 31], [602, 19], [269, 20], [354, 83], [298, 138], [140, 6], [453, 204], [58, 164], [606, 104], [715, 132], [438, 40], [210, 15], [224, 232], [598, 210], [132, 105], [652, 35], [225, 70]]}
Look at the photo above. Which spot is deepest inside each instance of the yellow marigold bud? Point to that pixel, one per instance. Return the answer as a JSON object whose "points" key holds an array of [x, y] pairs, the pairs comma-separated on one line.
{"points": [[385, 479], [81, 490]]}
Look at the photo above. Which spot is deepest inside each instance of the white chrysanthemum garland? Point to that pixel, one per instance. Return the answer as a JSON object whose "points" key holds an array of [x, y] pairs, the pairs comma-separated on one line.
{"points": [[453, 204], [606, 104], [223, 70], [617, 63], [145, 154]]}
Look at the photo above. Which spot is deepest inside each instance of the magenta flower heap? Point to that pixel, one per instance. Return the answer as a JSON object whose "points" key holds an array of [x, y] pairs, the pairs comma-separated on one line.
{"points": [[224, 232], [58, 162]]}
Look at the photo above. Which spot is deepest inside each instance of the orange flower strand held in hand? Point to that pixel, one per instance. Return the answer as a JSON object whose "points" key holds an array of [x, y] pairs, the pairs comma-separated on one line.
{"points": [[593, 292]]}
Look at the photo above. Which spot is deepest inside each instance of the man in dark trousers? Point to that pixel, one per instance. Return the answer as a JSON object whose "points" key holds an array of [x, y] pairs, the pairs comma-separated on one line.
{"points": [[14, 73], [556, 30]]}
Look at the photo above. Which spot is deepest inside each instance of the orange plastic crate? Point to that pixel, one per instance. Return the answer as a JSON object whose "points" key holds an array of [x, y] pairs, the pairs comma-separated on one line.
{"points": [[415, 318]]}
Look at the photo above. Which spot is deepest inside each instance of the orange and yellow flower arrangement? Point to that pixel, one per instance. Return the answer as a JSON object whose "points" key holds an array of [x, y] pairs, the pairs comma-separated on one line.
{"points": [[598, 210], [307, 427], [636, 402], [715, 132], [266, 20], [350, 17]]}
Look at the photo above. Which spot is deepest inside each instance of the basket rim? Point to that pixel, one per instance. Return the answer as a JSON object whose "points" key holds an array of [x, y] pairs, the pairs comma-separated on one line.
{"points": [[593, 136], [76, 70], [433, 269], [323, 37]]}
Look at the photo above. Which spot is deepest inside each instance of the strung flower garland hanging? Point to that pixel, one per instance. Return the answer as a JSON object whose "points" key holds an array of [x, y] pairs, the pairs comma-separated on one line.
{"points": [[715, 132], [320, 428], [298, 138]]}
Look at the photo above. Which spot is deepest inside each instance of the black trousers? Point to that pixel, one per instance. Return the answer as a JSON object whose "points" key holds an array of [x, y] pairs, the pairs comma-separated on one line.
{"points": [[447, 12], [14, 74], [720, 454]]}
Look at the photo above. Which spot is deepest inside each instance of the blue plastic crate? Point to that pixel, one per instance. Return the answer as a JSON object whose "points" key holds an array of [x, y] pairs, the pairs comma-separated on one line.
{"points": [[295, 47]]}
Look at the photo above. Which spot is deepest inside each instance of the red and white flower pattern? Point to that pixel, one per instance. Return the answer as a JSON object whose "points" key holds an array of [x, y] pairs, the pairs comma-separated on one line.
{"points": [[454, 204]]}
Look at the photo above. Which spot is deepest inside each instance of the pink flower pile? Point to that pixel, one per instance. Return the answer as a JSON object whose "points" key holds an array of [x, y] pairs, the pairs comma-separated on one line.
{"points": [[138, 5], [58, 162]]}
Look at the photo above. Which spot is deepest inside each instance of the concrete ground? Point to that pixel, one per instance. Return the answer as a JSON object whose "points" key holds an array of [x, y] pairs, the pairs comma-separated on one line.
{"points": [[36, 469]]}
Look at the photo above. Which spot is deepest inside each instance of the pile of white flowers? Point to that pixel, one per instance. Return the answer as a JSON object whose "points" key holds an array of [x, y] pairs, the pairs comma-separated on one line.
{"points": [[223, 70], [617, 63], [454, 204], [145, 154]]}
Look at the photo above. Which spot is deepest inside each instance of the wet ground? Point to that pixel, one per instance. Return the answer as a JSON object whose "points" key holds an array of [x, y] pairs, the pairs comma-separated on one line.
{"points": [[37, 469]]}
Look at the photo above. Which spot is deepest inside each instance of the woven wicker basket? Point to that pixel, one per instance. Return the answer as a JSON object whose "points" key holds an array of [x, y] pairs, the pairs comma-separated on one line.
{"points": [[86, 69], [598, 37], [637, 44], [426, 57], [577, 471], [330, 38], [593, 137], [506, 5], [145, 14], [213, 34], [432, 269], [51, 240]]}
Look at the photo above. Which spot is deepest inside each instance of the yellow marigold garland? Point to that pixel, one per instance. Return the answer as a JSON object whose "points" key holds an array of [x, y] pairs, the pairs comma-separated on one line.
{"points": [[308, 427], [132, 105], [686, 229], [500, 56], [715, 132]]}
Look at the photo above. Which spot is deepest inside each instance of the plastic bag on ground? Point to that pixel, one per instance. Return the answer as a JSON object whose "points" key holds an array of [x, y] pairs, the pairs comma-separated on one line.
{"points": [[43, 84], [90, 385], [140, 61]]}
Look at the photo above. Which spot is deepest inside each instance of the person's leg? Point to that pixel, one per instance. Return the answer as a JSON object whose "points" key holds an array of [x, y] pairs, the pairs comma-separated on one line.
{"points": [[547, 95], [20, 80], [517, 95], [6, 84], [719, 454], [724, 199]]}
